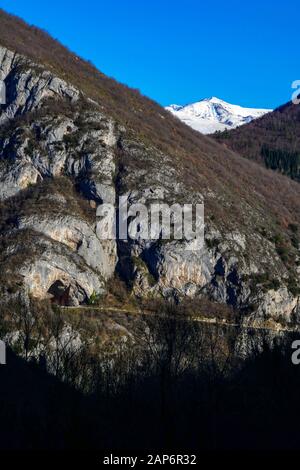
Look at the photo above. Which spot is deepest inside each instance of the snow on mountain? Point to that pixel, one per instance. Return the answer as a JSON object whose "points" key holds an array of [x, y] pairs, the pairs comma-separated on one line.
{"points": [[212, 114]]}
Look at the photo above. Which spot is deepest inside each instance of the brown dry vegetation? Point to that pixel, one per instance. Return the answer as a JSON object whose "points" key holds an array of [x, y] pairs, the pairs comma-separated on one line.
{"points": [[44, 199]]}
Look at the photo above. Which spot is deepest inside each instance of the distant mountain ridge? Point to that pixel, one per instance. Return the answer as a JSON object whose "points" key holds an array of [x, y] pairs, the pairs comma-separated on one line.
{"points": [[213, 114]]}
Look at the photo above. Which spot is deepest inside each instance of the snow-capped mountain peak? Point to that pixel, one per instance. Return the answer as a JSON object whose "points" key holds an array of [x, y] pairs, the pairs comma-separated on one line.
{"points": [[213, 114]]}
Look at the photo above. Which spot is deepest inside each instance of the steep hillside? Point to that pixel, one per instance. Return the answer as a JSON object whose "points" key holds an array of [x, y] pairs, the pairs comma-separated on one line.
{"points": [[72, 139], [273, 140]]}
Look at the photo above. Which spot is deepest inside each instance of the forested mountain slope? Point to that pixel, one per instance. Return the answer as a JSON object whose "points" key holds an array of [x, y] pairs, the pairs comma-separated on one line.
{"points": [[273, 140]]}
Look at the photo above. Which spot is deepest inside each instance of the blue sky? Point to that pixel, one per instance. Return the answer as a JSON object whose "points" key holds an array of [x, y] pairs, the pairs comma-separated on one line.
{"points": [[179, 51]]}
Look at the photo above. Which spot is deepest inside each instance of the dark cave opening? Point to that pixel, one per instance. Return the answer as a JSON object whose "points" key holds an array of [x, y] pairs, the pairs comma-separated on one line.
{"points": [[60, 293]]}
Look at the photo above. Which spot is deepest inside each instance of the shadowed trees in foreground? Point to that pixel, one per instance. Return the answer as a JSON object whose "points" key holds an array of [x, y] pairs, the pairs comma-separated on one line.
{"points": [[182, 388]]}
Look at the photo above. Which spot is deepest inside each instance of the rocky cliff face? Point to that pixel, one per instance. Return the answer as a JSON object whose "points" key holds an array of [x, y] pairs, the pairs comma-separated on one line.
{"points": [[61, 156]]}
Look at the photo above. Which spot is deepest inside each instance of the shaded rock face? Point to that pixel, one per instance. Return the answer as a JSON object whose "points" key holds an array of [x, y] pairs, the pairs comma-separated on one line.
{"points": [[60, 158]]}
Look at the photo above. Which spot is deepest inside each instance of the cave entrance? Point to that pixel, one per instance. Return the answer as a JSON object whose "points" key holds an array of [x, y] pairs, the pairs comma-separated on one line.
{"points": [[60, 293]]}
